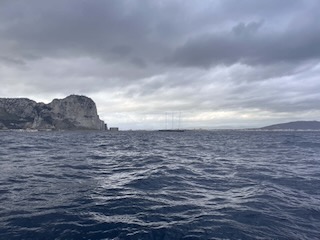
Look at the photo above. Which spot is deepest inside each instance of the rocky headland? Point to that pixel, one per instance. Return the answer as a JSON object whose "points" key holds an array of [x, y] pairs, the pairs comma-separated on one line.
{"points": [[71, 113]]}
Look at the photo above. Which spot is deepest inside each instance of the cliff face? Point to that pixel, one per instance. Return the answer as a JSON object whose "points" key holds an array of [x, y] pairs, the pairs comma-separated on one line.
{"points": [[71, 113]]}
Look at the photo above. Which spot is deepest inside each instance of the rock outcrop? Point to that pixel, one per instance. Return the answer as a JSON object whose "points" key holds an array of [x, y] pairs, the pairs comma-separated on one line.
{"points": [[71, 113]]}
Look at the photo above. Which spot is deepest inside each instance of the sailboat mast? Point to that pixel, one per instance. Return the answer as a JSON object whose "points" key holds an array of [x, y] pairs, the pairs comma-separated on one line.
{"points": [[172, 121], [166, 120]]}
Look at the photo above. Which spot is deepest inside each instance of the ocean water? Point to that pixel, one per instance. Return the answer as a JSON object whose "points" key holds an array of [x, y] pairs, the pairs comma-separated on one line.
{"points": [[160, 185]]}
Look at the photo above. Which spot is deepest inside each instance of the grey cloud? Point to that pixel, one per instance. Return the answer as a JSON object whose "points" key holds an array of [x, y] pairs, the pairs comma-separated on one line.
{"points": [[121, 50], [293, 93], [11, 61], [95, 28], [272, 8], [249, 46], [139, 62], [126, 30], [244, 29]]}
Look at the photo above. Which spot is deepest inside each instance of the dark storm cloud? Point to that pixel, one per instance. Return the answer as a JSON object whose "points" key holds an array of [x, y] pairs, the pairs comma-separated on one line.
{"points": [[198, 34], [267, 32], [248, 44], [106, 29]]}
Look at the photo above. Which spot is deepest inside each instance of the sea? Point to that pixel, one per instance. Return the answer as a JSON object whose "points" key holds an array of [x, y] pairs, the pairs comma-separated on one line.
{"points": [[160, 185]]}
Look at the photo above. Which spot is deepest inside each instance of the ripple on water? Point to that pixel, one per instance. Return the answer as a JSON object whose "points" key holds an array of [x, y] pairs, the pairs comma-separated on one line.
{"points": [[153, 185]]}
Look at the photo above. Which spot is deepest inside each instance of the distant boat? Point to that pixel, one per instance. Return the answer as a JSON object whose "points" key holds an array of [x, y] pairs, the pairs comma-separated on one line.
{"points": [[172, 129]]}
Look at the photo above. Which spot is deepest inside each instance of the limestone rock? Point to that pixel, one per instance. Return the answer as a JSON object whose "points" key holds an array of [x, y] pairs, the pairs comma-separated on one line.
{"points": [[71, 113]]}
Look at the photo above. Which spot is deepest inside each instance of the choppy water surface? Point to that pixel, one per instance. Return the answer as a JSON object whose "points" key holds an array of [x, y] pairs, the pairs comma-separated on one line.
{"points": [[160, 185]]}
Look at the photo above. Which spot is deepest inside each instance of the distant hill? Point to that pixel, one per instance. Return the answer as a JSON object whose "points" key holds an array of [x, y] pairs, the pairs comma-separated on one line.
{"points": [[298, 125]]}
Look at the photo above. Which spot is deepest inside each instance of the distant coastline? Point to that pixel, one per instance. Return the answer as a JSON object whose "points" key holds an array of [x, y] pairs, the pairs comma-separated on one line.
{"points": [[294, 126]]}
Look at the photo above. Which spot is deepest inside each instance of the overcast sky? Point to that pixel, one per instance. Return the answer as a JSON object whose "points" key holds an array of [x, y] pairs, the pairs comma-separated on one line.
{"points": [[226, 63]]}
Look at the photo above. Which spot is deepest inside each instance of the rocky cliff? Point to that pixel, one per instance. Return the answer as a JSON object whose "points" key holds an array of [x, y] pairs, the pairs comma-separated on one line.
{"points": [[71, 113]]}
